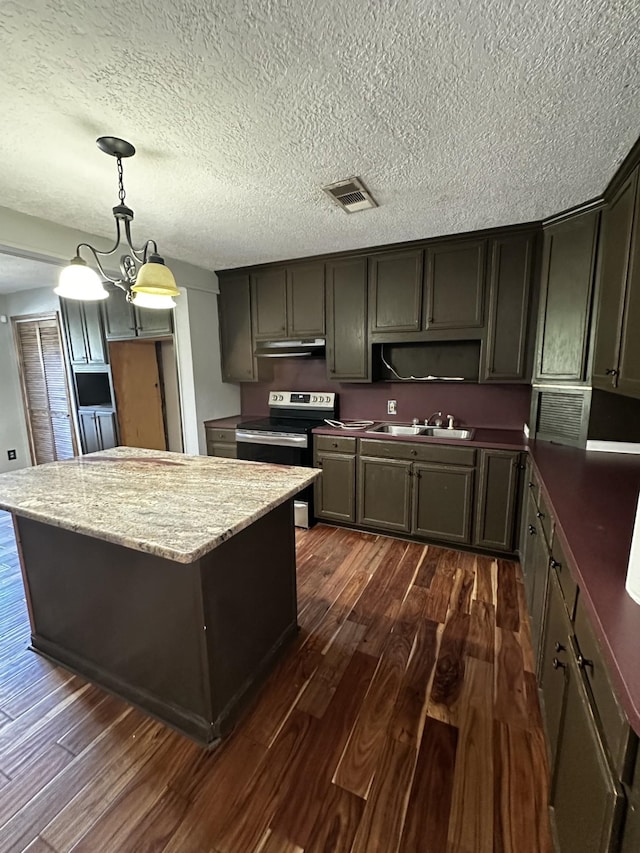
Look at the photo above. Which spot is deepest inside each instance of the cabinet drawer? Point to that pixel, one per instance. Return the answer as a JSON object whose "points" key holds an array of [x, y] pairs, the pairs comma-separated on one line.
{"points": [[532, 482], [222, 448], [447, 454], [220, 434], [568, 585], [616, 732], [335, 444], [545, 518]]}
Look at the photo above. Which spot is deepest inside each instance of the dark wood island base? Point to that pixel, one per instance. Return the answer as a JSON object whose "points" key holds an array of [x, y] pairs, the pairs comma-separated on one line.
{"points": [[188, 643]]}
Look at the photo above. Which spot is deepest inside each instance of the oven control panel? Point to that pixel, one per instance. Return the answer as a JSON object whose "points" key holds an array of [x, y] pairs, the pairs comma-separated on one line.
{"points": [[302, 399]]}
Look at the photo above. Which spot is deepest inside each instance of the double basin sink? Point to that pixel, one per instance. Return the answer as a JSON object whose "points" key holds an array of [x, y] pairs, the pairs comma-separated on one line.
{"points": [[425, 431]]}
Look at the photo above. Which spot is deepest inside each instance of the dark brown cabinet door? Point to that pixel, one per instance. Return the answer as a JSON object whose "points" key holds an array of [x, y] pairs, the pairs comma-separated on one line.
{"points": [[540, 568], [83, 325], [615, 244], [384, 493], [97, 430], [496, 499], [587, 801], [119, 315], [442, 502], [395, 291], [348, 352], [152, 323], [236, 344], [106, 426], [568, 273], [510, 326], [305, 301], [629, 378], [335, 490], [553, 666], [454, 285], [269, 304]]}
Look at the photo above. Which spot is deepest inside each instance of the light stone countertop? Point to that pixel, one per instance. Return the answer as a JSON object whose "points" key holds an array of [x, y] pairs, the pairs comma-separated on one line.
{"points": [[168, 504]]}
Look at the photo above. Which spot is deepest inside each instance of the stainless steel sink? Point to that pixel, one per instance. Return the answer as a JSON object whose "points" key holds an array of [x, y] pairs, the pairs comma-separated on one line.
{"points": [[398, 429], [428, 432]]}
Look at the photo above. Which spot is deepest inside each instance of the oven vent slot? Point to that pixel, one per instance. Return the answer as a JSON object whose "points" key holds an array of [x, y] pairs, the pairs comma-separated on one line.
{"points": [[351, 195]]}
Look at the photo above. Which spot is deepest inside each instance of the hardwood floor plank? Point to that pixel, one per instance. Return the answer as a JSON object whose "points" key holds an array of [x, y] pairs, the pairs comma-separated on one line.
{"points": [[38, 845], [380, 827], [471, 821], [105, 714], [377, 633], [510, 696], [152, 832], [482, 630], [427, 820], [407, 717], [428, 566], [484, 590], [30, 779], [274, 843], [449, 672], [460, 598], [337, 823], [533, 701], [524, 634], [507, 608], [318, 758]]}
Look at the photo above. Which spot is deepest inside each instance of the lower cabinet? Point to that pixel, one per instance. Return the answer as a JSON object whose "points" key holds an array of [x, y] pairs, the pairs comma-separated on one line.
{"points": [[443, 502], [97, 430], [335, 491], [384, 493], [554, 671], [221, 442], [535, 566], [497, 499]]}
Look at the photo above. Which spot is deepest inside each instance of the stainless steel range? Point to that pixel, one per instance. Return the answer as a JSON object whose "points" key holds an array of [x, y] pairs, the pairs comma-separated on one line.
{"points": [[284, 438]]}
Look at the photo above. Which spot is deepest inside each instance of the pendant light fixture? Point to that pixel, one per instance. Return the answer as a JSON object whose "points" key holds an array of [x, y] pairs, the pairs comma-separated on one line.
{"points": [[144, 277]]}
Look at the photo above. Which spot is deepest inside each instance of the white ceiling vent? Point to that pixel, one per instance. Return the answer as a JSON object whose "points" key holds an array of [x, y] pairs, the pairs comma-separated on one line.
{"points": [[351, 195]]}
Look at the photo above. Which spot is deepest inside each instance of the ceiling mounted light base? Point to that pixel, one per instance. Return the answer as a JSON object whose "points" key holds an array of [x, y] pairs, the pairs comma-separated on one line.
{"points": [[116, 147]]}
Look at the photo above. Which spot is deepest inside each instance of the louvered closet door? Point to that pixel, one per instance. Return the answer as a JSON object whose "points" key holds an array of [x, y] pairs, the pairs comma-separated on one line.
{"points": [[45, 390]]}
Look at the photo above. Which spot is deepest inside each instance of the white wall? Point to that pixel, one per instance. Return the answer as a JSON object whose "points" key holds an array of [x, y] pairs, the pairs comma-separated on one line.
{"points": [[13, 431], [203, 395]]}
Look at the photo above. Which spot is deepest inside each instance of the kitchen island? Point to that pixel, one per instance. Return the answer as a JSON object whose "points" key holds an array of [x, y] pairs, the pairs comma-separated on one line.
{"points": [[167, 579]]}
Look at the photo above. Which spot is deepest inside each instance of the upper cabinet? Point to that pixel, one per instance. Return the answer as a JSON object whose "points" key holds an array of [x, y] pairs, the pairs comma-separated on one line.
{"points": [[288, 302], [454, 285], [617, 226], [348, 350], [83, 325], [236, 344], [123, 321], [568, 275], [629, 364], [512, 291], [395, 291]]}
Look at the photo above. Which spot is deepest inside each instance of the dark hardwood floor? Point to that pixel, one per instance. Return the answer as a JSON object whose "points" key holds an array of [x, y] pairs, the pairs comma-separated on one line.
{"points": [[405, 718]]}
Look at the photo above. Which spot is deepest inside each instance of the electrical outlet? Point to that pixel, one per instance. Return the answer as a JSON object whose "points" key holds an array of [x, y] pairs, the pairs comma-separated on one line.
{"points": [[392, 407], [11, 455]]}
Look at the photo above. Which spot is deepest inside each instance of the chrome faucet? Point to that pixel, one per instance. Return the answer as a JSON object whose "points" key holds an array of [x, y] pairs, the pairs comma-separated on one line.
{"points": [[437, 422], [450, 421]]}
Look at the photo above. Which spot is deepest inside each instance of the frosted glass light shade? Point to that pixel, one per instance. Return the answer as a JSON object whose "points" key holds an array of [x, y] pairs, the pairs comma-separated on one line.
{"points": [[150, 300], [155, 279], [78, 281]]}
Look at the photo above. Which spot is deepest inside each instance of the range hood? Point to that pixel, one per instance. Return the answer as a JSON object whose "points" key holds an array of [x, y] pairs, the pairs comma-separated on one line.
{"points": [[287, 349]]}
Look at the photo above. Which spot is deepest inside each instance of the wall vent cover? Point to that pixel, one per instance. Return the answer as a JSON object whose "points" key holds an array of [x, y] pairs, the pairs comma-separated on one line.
{"points": [[560, 415], [351, 195]]}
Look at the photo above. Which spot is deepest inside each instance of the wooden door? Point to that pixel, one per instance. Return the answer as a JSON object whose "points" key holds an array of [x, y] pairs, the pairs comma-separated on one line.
{"points": [[136, 384], [236, 343], [568, 275], [305, 301], [443, 502], [588, 803], [553, 664], [395, 291], [335, 491], [629, 378], [348, 351], [615, 245], [511, 328], [45, 389], [496, 499], [384, 493], [269, 304], [454, 285]]}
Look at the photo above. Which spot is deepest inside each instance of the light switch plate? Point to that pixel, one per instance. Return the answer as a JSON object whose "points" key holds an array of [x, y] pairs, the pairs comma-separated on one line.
{"points": [[392, 407]]}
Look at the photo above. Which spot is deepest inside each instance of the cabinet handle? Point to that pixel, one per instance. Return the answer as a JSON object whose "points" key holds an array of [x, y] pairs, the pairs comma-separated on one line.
{"points": [[414, 452], [531, 485], [559, 647], [539, 514], [558, 664], [611, 371], [319, 463], [334, 444], [417, 475], [583, 662], [532, 530], [409, 472], [555, 564]]}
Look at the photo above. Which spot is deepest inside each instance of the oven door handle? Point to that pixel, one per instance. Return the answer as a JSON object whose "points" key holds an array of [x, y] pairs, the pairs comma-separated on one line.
{"points": [[269, 438]]}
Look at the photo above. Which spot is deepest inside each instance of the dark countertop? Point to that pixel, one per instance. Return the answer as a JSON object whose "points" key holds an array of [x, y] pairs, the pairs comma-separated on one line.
{"points": [[227, 423], [593, 497], [502, 439]]}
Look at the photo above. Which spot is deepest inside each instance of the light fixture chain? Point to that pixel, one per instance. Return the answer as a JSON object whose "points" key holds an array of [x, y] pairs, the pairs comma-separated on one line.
{"points": [[121, 192]]}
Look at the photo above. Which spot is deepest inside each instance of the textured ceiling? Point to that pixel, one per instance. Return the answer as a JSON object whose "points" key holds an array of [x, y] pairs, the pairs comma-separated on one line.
{"points": [[25, 274], [458, 115]]}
